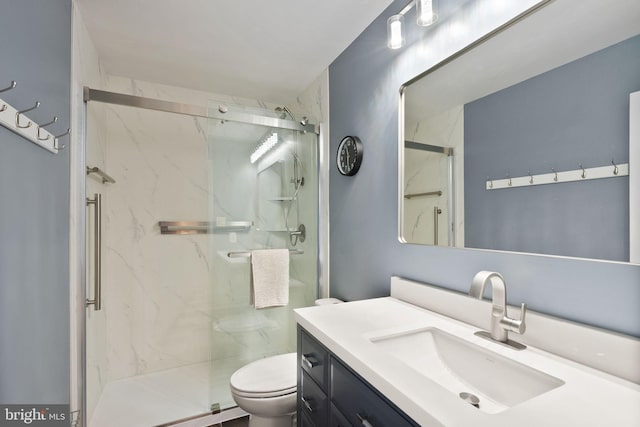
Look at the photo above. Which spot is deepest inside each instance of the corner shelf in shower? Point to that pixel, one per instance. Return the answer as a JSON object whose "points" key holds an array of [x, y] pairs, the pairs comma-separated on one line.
{"points": [[203, 227], [282, 199]]}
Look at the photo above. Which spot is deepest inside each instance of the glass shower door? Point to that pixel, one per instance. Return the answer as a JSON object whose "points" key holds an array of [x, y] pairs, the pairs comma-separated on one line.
{"points": [[186, 206], [263, 194], [147, 354]]}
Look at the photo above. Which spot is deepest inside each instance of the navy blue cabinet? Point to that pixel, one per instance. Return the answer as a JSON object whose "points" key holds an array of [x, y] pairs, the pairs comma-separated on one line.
{"points": [[314, 359], [336, 419], [332, 394], [313, 401]]}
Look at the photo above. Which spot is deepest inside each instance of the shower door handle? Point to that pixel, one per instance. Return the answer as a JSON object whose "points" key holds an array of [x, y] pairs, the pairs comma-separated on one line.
{"points": [[436, 211], [97, 251]]}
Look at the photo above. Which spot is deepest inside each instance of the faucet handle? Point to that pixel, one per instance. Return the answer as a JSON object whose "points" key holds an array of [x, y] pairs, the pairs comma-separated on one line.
{"points": [[521, 325], [517, 326]]}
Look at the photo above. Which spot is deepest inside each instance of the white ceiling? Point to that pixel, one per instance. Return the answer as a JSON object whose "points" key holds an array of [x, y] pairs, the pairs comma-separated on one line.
{"points": [[270, 50]]}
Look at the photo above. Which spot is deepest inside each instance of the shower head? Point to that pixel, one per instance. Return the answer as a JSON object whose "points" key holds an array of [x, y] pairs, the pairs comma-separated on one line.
{"points": [[285, 111]]}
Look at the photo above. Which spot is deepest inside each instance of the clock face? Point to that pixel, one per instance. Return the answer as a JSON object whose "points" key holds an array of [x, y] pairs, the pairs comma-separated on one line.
{"points": [[349, 155]]}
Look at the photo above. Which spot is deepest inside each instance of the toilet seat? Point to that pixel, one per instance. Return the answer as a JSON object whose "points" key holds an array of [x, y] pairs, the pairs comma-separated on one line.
{"points": [[269, 377]]}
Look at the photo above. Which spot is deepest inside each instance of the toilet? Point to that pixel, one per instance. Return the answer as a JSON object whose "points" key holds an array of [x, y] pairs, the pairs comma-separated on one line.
{"points": [[266, 388]]}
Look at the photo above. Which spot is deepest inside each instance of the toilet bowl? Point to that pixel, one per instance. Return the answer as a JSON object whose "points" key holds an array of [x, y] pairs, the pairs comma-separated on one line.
{"points": [[266, 389]]}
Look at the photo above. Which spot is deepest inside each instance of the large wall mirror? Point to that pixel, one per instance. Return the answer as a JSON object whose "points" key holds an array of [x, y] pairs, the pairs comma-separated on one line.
{"points": [[521, 142]]}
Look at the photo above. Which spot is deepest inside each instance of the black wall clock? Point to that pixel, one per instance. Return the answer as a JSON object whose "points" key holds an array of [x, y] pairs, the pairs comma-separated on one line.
{"points": [[349, 156]]}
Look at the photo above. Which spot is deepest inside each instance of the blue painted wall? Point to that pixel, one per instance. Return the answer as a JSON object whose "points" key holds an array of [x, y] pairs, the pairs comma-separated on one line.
{"points": [[364, 249], [35, 51], [576, 113]]}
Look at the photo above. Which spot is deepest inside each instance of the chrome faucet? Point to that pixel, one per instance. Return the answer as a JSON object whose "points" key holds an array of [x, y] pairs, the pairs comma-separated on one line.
{"points": [[501, 324]]}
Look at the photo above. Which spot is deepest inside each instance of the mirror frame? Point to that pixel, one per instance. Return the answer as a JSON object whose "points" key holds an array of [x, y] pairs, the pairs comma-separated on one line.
{"points": [[634, 184]]}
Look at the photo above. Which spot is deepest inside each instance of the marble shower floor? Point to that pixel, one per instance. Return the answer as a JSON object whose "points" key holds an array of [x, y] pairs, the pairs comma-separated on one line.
{"points": [[164, 397]]}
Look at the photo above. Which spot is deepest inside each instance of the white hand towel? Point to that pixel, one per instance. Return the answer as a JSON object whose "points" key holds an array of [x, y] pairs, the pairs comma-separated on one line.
{"points": [[269, 278]]}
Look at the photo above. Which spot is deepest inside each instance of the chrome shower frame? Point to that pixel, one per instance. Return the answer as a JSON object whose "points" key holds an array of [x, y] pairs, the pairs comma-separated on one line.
{"points": [[193, 110]]}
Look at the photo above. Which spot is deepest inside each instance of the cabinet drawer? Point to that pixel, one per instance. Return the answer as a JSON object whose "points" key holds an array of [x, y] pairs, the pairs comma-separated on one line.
{"points": [[359, 403], [313, 401], [314, 359], [304, 421], [336, 419]]}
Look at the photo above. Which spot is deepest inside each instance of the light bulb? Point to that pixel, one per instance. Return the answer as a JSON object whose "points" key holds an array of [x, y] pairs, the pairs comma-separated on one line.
{"points": [[265, 146], [395, 38], [426, 10]]}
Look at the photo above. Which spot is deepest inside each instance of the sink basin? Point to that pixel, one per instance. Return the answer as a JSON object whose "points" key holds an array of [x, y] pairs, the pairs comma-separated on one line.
{"points": [[466, 369]]}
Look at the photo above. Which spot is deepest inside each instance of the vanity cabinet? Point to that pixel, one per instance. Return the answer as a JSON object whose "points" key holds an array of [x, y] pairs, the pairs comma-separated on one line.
{"points": [[331, 394]]}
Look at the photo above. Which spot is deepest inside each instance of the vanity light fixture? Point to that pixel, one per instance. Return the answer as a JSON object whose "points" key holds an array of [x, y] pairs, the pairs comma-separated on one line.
{"points": [[395, 35], [426, 11], [267, 144]]}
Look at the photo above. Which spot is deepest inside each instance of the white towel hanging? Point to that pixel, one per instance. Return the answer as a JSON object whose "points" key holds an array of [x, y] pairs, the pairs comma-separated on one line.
{"points": [[269, 278]]}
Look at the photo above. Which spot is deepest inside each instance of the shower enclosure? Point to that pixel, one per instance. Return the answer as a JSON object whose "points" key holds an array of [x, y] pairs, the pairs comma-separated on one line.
{"points": [[190, 192]]}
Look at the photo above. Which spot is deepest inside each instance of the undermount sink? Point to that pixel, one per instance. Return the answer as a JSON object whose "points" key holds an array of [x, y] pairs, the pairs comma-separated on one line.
{"points": [[479, 376]]}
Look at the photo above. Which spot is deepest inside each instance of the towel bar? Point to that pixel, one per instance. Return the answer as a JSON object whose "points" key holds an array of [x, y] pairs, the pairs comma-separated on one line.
{"points": [[202, 227], [247, 254]]}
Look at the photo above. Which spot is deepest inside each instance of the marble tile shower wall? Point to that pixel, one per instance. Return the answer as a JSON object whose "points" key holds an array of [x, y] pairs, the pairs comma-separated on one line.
{"points": [[156, 286], [159, 300]]}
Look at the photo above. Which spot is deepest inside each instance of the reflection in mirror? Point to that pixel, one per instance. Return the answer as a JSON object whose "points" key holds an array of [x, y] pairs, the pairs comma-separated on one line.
{"points": [[538, 117], [428, 194]]}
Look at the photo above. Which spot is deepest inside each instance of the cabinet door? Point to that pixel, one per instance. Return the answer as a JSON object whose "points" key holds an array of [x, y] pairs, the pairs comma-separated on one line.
{"points": [[360, 404], [336, 419], [313, 401], [304, 421]]}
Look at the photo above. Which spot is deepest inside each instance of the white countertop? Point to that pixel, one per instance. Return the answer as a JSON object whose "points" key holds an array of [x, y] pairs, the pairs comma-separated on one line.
{"points": [[588, 397]]}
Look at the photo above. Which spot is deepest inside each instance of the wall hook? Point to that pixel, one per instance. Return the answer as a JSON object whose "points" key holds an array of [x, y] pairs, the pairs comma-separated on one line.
{"points": [[584, 174], [615, 167], [18, 125], [530, 178], [509, 177], [555, 177], [55, 119], [13, 84], [55, 142], [490, 182]]}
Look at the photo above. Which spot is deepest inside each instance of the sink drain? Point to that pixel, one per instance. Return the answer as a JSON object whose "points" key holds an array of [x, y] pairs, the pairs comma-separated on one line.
{"points": [[471, 399]]}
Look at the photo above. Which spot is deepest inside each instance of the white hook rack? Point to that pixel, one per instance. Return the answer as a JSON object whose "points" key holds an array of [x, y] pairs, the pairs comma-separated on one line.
{"points": [[16, 121], [582, 174]]}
